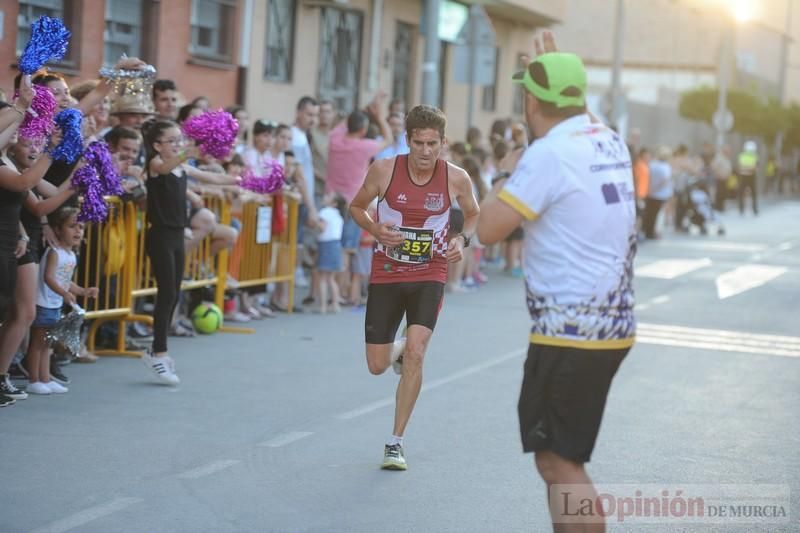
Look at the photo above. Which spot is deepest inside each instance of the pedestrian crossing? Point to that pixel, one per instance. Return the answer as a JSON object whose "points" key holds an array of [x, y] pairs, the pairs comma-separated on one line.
{"points": [[717, 339], [730, 277]]}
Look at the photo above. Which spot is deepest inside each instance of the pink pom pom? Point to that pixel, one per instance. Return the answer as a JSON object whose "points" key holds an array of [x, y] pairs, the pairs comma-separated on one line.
{"points": [[38, 122], [214, 132], [266, 184]]}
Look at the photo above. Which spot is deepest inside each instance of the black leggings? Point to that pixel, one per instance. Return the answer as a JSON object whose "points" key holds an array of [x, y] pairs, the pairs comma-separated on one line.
{"points": [[165, 247]]}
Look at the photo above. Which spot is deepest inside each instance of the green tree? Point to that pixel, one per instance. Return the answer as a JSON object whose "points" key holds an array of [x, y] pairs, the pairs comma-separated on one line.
{"points": [[749, 114]]}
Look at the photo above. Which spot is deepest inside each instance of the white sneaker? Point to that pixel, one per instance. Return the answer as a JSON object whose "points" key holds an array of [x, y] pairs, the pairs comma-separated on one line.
{"points": [[162, 367], [37, 387], [55, 387], [300, 279]]}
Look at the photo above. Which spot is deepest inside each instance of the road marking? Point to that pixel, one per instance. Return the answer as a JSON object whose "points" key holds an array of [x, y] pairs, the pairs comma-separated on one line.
{"points": [[87, 515], [671, 268], [715, 346], [436, 383], [722, 340], [208, 469], [745, 278], [722, 334], [286, 438], [718, 246]]}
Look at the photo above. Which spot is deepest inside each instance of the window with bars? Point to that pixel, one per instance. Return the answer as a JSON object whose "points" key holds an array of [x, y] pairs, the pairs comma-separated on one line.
{"points": [[30, 10], [279, 55], [403, 54], [489, 99], [213, 28], [123, 30]]}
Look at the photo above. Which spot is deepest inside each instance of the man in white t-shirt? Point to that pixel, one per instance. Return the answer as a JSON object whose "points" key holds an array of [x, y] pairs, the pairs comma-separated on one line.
{"points": [[305, 119], [572, 190]]}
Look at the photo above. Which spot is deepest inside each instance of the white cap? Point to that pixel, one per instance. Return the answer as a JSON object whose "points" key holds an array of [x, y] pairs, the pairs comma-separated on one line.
{"points": [[750, 146]]}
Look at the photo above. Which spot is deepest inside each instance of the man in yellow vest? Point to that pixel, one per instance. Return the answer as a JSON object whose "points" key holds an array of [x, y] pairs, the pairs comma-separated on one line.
{"points": [[747, 164]]}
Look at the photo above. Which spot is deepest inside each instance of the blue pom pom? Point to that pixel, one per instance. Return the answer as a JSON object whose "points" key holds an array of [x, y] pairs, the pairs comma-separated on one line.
{"points": [[71, 146], [49, 39]]}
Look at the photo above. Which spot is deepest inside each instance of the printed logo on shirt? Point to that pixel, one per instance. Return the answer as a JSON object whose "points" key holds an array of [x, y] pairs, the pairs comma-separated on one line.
{"points": [[402, 198], [614, 193], [434, 201]]}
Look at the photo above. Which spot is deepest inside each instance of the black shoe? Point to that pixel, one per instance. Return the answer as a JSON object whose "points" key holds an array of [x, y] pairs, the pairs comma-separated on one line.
{"points": [[56, 374], [18, 371], [308, 300], [8, 389], [140, 331], [5, 401]]}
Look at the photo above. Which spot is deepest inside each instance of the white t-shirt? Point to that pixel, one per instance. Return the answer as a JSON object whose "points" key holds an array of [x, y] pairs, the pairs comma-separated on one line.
{"points": [[333, 224], [302, 152], [574, 187], [47, 297]]}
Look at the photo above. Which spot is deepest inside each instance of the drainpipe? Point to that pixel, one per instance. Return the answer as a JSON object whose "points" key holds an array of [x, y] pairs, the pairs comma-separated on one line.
{"points": [[374, 74], [244, 52]]}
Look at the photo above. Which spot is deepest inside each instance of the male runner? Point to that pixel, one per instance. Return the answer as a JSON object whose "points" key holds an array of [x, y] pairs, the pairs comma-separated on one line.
{"points": [[409, 267], [573, 192]]}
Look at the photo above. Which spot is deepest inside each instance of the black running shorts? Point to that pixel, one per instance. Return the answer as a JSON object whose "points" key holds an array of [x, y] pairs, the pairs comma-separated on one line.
{"points": [[563, 396], [420, 301]]}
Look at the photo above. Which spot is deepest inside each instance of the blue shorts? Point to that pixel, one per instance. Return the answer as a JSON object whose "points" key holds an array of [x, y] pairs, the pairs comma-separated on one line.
{"points": [[329, 256], [46, 317], [351, 234], [362, 261]]}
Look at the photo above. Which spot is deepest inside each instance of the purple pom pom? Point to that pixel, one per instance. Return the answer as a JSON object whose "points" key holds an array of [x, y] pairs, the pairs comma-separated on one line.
{"points": [[214, 132], [266, 184], [86, 181], [38, 122], [48, 42], [71, 146], [98, 156]]}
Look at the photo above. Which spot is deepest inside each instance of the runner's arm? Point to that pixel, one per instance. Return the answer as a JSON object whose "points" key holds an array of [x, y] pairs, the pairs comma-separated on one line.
{"points": [[372, 188], [466, 201]]}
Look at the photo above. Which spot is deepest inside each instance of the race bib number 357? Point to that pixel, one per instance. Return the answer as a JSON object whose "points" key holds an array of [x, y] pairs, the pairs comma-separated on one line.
{"points": [[417, 246]]}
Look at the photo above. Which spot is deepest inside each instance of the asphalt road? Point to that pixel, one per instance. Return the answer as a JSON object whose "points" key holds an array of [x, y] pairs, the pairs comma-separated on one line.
{"points": [[283, 430]]}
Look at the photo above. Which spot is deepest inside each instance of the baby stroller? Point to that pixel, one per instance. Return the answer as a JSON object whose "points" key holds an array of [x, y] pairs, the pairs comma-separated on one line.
{"points": [[701, 208]]}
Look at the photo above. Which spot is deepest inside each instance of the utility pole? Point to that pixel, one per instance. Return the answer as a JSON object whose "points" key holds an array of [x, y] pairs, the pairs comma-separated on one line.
{"points": [[472, 43], [724, 74], [430, 65], [615, 105]]}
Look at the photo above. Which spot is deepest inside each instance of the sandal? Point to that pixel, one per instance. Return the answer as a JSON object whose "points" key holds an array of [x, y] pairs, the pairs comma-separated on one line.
{"points": [[86, 357], [179, 330]]}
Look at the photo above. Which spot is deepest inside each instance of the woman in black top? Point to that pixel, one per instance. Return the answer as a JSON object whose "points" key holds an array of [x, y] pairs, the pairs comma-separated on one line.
{"points": [[14, 188], [23, 155], [167, 222]]}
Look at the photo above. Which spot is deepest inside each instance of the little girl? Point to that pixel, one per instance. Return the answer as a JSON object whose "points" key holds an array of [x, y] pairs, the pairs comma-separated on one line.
{"points": [[55, 288], [167, 221], [329, 249]]}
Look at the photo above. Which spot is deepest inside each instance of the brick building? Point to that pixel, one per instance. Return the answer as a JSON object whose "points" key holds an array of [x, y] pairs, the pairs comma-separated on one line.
{"points": [[194, 42]]}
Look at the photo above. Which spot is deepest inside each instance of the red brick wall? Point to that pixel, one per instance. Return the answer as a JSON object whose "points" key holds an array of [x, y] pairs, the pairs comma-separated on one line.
{"points": [[172, 50]]}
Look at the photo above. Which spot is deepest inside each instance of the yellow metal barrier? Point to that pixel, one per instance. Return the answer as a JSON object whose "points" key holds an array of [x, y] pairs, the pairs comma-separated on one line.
{"points": [[115, 260], [254, 264], [106, 261]]}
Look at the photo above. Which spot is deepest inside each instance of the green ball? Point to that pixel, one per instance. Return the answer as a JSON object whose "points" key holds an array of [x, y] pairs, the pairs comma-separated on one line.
{"points": [[206, 318]]}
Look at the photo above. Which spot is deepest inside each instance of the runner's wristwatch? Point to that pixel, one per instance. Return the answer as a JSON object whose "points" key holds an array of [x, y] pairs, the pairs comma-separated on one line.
{"points": [[466, 239]]}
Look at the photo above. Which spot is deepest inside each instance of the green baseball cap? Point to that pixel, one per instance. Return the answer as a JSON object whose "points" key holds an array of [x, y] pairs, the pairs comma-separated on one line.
{"points": [[555, 77]]}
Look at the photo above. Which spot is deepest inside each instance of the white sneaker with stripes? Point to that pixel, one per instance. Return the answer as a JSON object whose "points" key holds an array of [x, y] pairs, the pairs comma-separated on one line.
{"points": [[163, 368]]}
